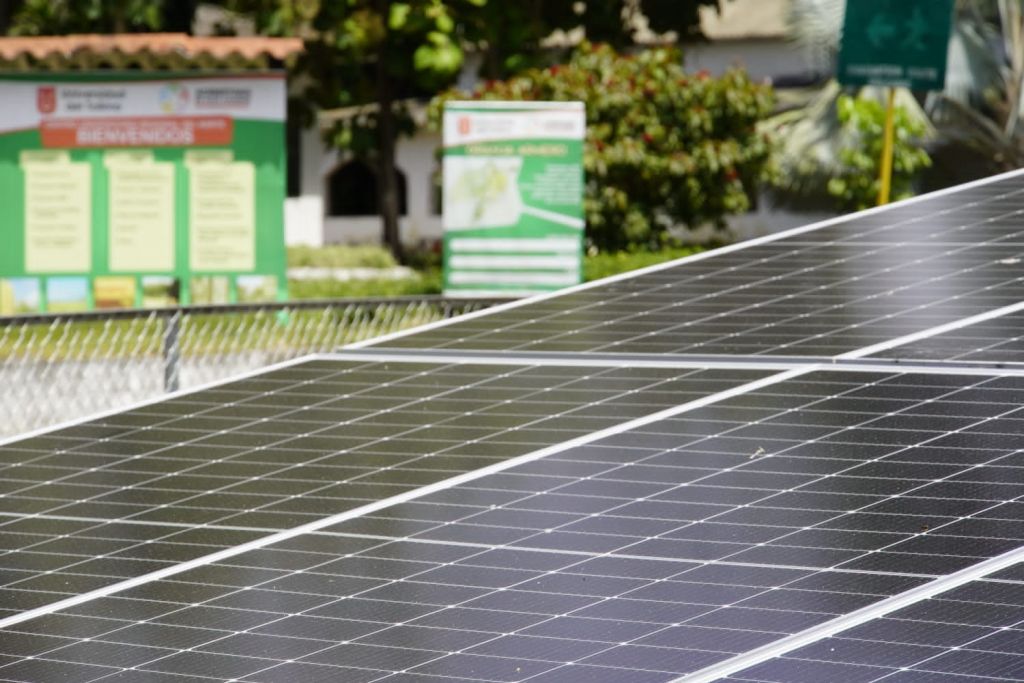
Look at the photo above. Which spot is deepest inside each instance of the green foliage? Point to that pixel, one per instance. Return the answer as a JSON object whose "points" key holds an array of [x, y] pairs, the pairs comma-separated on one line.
{"points": [[340, 256], [368, 57], [664, 148], [54, 17], [857, 185], [427, 282], [351, 44], [508, 35]]}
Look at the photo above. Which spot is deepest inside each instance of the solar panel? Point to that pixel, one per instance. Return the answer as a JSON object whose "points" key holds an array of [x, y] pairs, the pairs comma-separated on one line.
{"points": [[792, 460], [847, 285]]}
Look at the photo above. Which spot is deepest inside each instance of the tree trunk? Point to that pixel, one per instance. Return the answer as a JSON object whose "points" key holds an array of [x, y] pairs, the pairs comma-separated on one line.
{"points": [[387, 181], [6, 14], [117, 13]]}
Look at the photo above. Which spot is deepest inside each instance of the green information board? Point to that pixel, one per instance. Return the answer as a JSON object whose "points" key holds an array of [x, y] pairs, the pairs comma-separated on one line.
{"points": [[900, 43], [135, 189], [513, 197]]}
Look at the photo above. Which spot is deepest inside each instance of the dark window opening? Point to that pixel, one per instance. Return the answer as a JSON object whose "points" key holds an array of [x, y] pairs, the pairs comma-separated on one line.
{"points": [[352, 190]]}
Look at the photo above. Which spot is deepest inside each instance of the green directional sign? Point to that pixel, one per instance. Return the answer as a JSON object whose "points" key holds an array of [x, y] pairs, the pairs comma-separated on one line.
{"points": [[896, 43]]}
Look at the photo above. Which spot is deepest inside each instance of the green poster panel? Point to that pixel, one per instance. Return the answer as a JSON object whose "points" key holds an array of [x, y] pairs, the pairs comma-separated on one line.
{"points": [[899, 43], [133, 189], [513, 197]]}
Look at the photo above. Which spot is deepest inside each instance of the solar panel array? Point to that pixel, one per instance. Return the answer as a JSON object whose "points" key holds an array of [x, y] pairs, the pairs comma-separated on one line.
{"points": [[795, 459]]}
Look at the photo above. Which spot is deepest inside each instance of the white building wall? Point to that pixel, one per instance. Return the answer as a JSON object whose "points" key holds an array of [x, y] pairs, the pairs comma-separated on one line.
{"points": [[763, 59], [306, 219], [304, 215]]}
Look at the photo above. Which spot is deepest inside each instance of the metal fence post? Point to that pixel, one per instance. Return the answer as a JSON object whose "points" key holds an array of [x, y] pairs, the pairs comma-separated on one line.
{"points": [[172, 351]]}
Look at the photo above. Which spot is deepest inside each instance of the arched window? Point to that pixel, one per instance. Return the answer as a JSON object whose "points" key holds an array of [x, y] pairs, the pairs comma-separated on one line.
{"points": [[352, 190]]}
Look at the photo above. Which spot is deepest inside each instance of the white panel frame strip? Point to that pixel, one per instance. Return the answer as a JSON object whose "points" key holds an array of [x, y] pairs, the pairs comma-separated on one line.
{"points": [[404, 497], [856, 618], [687, 259], [776, 363]]}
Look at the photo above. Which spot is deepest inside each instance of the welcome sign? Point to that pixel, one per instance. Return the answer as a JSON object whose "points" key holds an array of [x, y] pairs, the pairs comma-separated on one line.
{"points": [[118, 185]]}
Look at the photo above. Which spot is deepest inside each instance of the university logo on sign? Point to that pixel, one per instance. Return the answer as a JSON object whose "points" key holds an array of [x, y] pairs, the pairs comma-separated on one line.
{"points": [[173, 98], [46, 99]]}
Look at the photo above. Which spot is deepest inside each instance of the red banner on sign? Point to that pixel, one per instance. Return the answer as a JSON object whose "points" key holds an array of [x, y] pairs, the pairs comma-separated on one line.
{"points": [[153, 131]]}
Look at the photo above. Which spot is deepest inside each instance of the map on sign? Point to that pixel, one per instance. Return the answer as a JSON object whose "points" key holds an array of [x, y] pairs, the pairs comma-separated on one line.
{"points": [[895, 43]]}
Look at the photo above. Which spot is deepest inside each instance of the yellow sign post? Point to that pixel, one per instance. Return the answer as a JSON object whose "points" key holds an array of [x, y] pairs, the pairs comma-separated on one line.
{"points": [[885, 181]]}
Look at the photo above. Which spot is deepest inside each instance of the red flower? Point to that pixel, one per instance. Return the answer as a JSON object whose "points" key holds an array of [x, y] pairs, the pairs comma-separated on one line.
{"points": [[648, 138]]}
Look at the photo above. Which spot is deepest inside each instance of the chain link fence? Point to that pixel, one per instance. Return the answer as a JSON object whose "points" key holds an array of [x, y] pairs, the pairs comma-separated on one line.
{"points": [[59, 367]]}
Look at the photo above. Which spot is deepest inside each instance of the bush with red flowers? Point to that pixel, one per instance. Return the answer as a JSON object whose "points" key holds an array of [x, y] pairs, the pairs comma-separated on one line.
{"points": [[665, 148]]}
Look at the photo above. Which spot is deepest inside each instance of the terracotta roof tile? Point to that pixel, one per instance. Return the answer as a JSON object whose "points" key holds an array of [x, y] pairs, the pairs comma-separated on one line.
{"points": [[154, 47]]}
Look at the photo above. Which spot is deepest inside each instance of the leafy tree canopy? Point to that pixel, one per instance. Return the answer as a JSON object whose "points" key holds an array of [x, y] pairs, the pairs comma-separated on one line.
{"points": [[509, 35], [56, 17]]}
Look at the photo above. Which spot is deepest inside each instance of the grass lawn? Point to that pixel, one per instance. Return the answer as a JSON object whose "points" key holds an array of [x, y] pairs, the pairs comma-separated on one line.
{"points": [[427, 279]]}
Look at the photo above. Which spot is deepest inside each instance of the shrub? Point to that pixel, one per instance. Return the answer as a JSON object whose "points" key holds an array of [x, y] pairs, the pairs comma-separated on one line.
{"points": [[664, 148], [340, 256], [856, 187]]}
